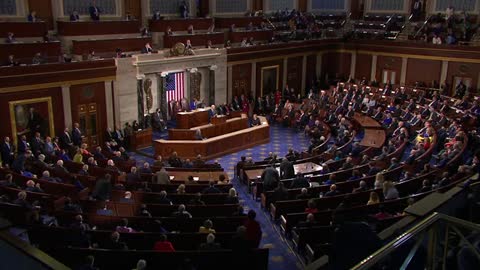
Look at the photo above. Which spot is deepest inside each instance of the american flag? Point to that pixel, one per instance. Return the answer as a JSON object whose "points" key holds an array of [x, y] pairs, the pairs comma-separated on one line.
{"points": [[175, 86]]}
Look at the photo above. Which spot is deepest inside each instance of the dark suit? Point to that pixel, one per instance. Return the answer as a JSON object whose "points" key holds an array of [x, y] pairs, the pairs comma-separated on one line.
{"points": [[22, 147], [74, 18], [94, 13], [76, 137], [7, 153], [270, 178], [286, 169], [65, 141]]}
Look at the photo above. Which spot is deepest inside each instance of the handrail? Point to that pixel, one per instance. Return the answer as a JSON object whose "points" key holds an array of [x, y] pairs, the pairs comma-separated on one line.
{"points": [[377, 256], [423, 26]]}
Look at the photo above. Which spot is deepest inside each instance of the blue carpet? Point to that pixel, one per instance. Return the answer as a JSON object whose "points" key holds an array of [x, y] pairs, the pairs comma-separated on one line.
{"points": [[282, 256]]}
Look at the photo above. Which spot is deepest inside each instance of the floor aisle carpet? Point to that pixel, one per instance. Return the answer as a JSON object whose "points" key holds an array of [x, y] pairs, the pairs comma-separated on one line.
{"points": [[282, 257]]}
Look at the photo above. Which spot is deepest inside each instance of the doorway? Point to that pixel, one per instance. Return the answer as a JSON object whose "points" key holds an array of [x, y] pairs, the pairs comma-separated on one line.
{"points": [[89, 124]]}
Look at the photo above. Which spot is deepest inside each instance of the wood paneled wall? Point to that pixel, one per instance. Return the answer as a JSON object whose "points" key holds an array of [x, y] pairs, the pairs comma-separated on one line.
{"points": [[257, 4], [465, 70], [311, 75], [336, 63], [57, 104], [294, 73], [43, 9], [423, 71], [86, 94], [261, 65], [363, 66], [134, 7], [388, 63], [241, 79]]}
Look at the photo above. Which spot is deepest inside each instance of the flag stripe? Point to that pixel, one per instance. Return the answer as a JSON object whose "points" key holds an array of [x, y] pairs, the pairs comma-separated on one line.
{"points": [[175, 86]]}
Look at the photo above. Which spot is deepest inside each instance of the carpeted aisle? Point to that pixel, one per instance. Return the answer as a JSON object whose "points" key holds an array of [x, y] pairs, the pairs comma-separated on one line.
{"points": [[282, 257]]}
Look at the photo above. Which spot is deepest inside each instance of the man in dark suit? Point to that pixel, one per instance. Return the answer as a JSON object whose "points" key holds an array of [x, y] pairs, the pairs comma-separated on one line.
{"points": [[23, 145], [76, 135], [37, 144], [66, 139], [94, 11], [270, 178], [7, 152]]}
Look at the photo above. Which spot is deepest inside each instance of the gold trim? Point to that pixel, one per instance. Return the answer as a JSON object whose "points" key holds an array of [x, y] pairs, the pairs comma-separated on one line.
{"points": [[13, 124], [55, 84], [277, 68]]}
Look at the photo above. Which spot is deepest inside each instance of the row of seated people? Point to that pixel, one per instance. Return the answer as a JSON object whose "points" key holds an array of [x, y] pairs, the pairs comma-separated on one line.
{"points": [[390, 189]]}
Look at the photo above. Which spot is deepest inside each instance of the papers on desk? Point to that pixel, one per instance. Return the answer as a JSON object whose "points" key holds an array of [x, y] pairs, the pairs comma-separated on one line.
{"points": [[172, 177], [196, 178]]}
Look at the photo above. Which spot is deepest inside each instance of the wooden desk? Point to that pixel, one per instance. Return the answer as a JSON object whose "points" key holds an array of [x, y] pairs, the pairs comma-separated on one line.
{"points": [[86, 28], [83, 47], [186, 120], [302, 168], [179, 24], [366, 121], [141, 139], [202, 176], [210, 130], [197, 40], [219, 119], [238, 21], [24, 52], [23, 29], [217, 146], [373, 138], [237, 36]]}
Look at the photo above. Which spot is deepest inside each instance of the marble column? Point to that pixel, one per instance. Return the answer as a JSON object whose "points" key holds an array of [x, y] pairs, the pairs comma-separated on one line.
{"points": [[229, 84], [161, 96], [373, 72], [67, 107], [140, 101], [285, 74], [318, 67], [304, 75], [353, 65], [254, 80], [444, 72], [211, 86], [109, 104], [403, 72]]}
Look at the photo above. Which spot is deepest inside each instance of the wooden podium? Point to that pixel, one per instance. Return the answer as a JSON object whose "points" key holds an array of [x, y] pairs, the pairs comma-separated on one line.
{"points": [[219, 119], [186, 120], [141, 139]]}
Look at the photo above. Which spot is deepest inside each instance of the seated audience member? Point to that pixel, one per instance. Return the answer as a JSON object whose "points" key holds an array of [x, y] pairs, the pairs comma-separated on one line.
{"points": [[300, 182], [74, 17], [333, 191], [127, 197], [222, 180], [123, 227], [114, 242], [390, 192], [309, 222], [169, 31], [207, 227], [163, 245], [190, 30], [255, 121], [147, 49], [198, 162], [31, 186], [181, 189], [11, 61], [163, 199], [182, 213], [362, 186], [211, 189], [232, 197], [374, 199], [174, 160], [311, 207], [210, 243], [10, 38]]}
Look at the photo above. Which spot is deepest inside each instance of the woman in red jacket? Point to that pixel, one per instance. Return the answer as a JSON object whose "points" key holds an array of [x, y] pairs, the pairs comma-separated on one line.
{"points": [[254, 232], [163, 245]]}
